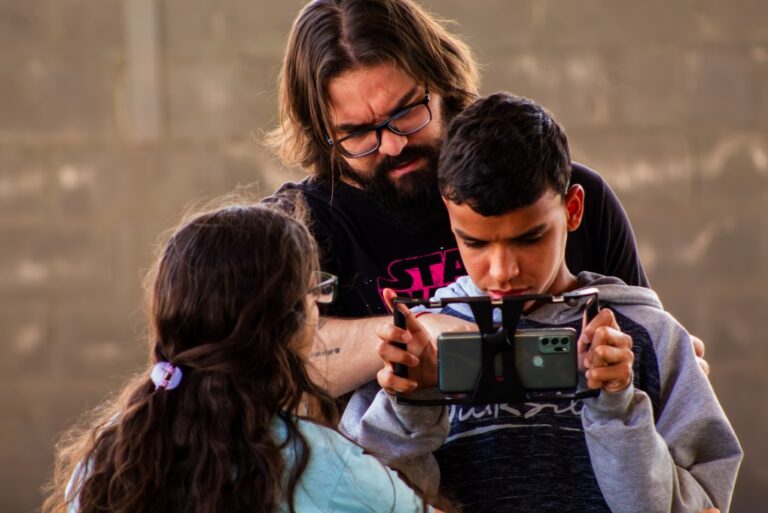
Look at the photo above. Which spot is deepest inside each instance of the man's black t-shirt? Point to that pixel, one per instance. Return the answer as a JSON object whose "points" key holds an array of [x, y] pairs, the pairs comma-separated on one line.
{"points": [[370, 251]]}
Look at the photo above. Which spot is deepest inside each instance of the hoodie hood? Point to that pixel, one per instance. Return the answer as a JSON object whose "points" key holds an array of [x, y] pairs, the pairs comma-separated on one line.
{"points": [[612, 291]]}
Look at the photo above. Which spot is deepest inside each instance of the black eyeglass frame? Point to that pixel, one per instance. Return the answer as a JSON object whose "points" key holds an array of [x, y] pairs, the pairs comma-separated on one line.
{"points": [[381, 126]]}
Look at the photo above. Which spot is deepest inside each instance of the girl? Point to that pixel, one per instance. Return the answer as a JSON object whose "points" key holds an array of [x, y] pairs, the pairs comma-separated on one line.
{"points": [[211, 425]]}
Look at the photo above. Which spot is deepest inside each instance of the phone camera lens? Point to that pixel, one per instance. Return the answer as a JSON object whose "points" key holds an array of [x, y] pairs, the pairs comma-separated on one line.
{"points": [[545, 341], [565, 341]]}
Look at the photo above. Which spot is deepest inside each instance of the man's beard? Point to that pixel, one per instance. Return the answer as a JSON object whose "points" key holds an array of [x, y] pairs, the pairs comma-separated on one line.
{"points": [[414, 199]]}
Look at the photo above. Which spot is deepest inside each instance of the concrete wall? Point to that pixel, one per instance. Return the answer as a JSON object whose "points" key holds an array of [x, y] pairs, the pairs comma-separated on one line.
{"points": [[116, 115]]}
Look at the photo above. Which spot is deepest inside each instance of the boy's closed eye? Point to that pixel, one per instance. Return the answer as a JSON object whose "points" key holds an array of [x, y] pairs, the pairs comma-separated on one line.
{"points": [[527, 239], [533, 235], [474, 243]]}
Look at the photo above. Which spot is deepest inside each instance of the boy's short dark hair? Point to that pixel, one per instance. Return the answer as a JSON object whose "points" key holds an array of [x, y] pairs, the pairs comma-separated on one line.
{"points": [[502, 153]]}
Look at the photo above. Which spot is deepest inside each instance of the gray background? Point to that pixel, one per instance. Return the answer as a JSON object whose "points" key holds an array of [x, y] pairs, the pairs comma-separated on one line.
{"points": [[115, 115]]}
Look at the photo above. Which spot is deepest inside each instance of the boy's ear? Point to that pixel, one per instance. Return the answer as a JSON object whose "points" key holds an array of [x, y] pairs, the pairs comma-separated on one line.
{"points": [[574, 206]]}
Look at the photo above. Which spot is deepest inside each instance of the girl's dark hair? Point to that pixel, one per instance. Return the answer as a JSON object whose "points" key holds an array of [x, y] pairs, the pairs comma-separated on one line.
{"points": [[331, 37], [228, 305]]}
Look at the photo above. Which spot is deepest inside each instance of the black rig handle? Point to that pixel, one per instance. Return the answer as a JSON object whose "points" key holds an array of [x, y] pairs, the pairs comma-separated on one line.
{"points": [[593, 308], [399, 317]]}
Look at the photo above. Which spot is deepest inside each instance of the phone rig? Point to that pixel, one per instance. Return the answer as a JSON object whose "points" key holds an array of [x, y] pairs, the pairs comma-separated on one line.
{"points": [[497, 340]]}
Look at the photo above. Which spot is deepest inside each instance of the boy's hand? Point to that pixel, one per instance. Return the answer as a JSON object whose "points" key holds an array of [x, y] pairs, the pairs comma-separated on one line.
{"points": [[605, 353], [420, 357], [434, 323]]}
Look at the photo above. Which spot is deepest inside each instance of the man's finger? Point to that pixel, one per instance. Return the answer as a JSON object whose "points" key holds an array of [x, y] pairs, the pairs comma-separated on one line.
{"points": [[699, 350], [698, 346], [704, 365]]}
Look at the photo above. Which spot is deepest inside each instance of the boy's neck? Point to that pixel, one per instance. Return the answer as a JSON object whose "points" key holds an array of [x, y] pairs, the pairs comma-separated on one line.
{"points": [[564, 282]]}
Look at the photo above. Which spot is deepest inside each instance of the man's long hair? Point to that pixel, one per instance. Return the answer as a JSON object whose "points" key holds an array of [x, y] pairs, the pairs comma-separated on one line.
{"points": [[229, 307], [331, 37]]}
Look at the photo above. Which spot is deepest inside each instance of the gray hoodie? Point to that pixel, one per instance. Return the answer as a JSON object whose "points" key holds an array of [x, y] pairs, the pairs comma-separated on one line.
{"points": [[663, 444]]}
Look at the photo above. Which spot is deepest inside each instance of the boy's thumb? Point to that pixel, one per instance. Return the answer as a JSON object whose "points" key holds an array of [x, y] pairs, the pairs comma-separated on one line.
{"points": [[389, 296]]}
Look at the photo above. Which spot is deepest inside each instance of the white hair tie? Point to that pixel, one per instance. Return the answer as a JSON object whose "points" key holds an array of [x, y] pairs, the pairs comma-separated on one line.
{"points": [[166, 376]]}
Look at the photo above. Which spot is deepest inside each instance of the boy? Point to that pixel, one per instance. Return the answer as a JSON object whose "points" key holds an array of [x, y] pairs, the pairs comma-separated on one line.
{"points": [[655, 439]]}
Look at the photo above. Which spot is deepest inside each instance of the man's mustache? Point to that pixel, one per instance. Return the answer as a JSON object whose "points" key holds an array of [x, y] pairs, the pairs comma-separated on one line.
{"points": [[408, 154]]}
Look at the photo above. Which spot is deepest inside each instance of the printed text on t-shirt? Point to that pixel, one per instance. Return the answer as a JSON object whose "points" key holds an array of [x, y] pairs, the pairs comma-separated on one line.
{"points": [[420, 276]]}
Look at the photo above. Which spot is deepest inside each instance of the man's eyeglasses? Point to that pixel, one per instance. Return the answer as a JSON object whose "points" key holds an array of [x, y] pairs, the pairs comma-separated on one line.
{"points": [[325, 290], [406, 121]]}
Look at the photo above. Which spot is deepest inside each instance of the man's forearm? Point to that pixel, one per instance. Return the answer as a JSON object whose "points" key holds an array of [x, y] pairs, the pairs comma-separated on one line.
{"points": [[344, 354]]}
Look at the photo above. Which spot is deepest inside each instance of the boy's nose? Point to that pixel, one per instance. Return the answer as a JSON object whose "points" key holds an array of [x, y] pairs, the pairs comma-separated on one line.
{"points": [[503, 268]]}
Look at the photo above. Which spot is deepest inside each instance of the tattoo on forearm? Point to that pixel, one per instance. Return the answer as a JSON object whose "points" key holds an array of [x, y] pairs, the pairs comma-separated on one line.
{"points": [[326, 352]]}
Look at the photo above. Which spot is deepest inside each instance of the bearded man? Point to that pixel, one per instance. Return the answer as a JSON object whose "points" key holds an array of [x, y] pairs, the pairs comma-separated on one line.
{"points": [[367, 88]]}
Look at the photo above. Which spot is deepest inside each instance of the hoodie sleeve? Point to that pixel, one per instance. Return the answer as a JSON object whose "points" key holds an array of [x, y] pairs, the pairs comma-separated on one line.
{"points": [[688, 459], [403, 437]]}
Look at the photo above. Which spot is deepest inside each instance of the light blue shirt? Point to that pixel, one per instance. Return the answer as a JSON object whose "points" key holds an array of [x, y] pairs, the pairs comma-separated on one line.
{"points": [[338, 478]]}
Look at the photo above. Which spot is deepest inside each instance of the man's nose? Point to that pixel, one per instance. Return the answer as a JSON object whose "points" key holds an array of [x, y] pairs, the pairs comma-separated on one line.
{"points": [[391, 143]]}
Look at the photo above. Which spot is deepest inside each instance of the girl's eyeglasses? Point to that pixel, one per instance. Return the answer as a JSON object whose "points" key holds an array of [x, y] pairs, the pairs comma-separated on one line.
{"points": [[325, 290]]}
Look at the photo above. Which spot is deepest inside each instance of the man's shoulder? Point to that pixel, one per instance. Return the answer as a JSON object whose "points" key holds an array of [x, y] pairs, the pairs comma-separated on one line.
{"points": [[289, 191], [597, 190], [586, 176], [313, 200], [321, 197]]}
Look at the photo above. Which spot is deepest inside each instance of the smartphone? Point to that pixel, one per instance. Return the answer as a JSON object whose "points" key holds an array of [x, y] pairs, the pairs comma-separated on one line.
{"points": [[545, 359]]}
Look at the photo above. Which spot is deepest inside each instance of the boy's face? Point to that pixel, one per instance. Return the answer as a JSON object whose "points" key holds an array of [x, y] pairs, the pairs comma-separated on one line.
{"points": [[522, 251]]}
